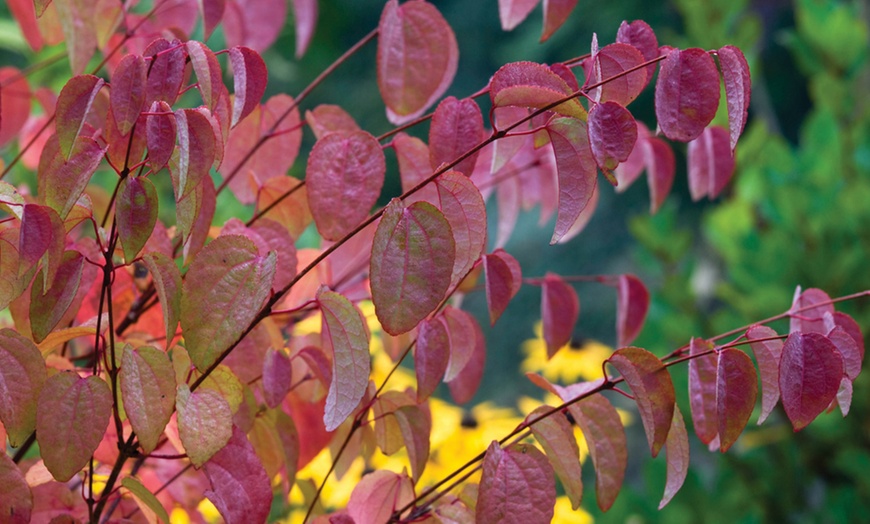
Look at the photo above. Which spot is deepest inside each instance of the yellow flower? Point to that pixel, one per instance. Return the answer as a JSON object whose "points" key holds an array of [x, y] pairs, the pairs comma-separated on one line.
{"points": [[575, 361], [564, 514]]}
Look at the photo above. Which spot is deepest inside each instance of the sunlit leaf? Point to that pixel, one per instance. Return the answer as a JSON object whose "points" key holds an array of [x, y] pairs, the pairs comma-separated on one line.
{"points": [[378, 495], [556, 436], [136, 214], [16, 504], [577, 171], [249, 81], [809, 376], [560, 309], [767, 354], [612, 134], [555, 14], [738, 89], [503, 281], [711, 163], [632, 304], [687, 93], [528, 84], [240, 488], [517, 486], [205, 422], [145, 499], [71, 416], [148, 390], [702, 390], [127, 91], [736, 389], [677, 451], [456, 127], [22, 374]]}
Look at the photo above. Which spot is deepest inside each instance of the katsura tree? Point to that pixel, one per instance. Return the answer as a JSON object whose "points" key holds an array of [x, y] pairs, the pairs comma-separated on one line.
{"points": [[156, 364]]}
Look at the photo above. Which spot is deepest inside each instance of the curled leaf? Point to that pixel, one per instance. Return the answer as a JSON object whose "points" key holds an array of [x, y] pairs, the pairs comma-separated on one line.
{"points": [[249, 81], [767, 354], [527, 84], [738, 90], [609, 65], [711, 163]]}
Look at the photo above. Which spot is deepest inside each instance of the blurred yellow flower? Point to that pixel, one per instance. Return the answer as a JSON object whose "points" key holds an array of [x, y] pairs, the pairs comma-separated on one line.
{"points": [[575, 361]]}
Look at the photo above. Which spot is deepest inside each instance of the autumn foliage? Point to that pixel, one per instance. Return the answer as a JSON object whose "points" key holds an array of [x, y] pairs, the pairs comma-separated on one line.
{"points": [[142, 356]]}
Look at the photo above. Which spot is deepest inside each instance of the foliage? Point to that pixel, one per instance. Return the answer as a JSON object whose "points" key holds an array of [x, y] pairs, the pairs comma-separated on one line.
{"points": [[156, 362]]}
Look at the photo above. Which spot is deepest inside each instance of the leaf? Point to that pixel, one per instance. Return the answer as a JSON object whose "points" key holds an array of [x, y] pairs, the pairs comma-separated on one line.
{"points": [[207, 70], [464, 386], [431, 354], [576, 169], [528, 84], [16, 504], [59, 337], [767, 355], [736, 389], [61, 182], [277, 377], [632, 304], [344, 178], [456, 127], [416, 426], [503, 281], [738, 89], [388, 434], [167, 282], [412, 259], [22, 374], [328, 118], [136, 214], [809, 376], [463, 207], [146, 500], [512, 12], [240, 488], [609, 66], [687, 93], [612, 134], [852, 328], [653, 391], [605, 438], [660, 169], [640, 35], [305, 18], [25, 14], [127, 93], [73, 104], [677, 451], [48, 307], [556, 436], [849, 350], [42, 239], [196, 151], [160, 133], [205, 423], [212, 12], [463, 330], [76, 18], [560, 309], [702, 390], [555, 14], [249, 81], [417, 58], [517, 486], [807, 317], [254, 23], [165, 70], [344, 328], [378, 495], [71, 416], [226, 286], [13, 113], [148, 390], [844, 395], [711, 163]]}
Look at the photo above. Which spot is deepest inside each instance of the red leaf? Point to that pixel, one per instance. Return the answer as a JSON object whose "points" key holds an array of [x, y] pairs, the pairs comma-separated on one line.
{"points": [[611, 62], [14, 103], [517, 486], [378, 495], [736, 389], [503, 281], [127, 93], [576, 168], [73, 104], [42, 238], [165, 70], [76, 18], [462, 329], [639, 34], [767, 354], [148, 390], [653, 391], [207, 70], [327, 118], [167, 281], [805, 316], [305, 17], [22, 374], [687, 93], [160, 134], [344, 177], [702, 390], [612, 134], [632, 304], [205, 422], [852, 328], [849, 350], [583, 218], [212, 12], [249, 81], [135, 214], [809, 376], [627, 172], [456, 127], [227, 284], [605, 438], [463, 207], [416, 426], [528, 84], [412, 260], [24, 13], [677, 451], [16, 504], [555, 14], [196, 151], [50, 303], [512, 12], [417, 58], [71, 416], [430, 356], [240, 489], [254, 23], [560, 309], [660, 169], [711, 163], [556, 436], [277, 377], [738, 89], [464, 386], [345, 330]]}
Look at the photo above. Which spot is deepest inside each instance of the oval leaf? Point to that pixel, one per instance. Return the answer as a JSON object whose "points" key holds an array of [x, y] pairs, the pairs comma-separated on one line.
{"points": [[632, 304], [464, 386], [196, 151], [22, 374], [463, 207], [809, 376], [612, 134], [160, 133], [677, 451], [208, 72], [660, 170], [609, 65], [277, 377], [711, 163], [702, 390], [205, 422], [73, 104], [136, 214], [430, 356], [240, 488], [577, 171], [807, 317], [528, 84], [640, 35], [48, 308], [328, 118], [605, 437], [560, 309], [738, 89], [556, 436], [517, 486], [148, 391], [61, 182], [736, 389], [456, 127], [687, 93], [503, 281], [249, 81], [767, 354], [127, 94]]}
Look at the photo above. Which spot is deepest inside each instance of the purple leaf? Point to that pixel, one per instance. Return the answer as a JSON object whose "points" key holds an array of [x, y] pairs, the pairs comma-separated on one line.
{"points": [[687, 93], [240, 488], [254, 23], [305, 17], [660, 170], [611, 62], [127, 93], [632, 304], [463, 207], [736, 389], [711, 163], [677, 451], [165, 70], [50, 303], [160, 134], [207, 70], [503, 281], [528, 84], [640, 35], [612, 134], [73, 104], [809, 376], [16, 504], [378, 495], [61, 182], [576, 169], [249, 81], [738, 89], [767, 354], [13, 113], [135, 214], [456, 127], [431, 354], [556, 436], [702, 390]]}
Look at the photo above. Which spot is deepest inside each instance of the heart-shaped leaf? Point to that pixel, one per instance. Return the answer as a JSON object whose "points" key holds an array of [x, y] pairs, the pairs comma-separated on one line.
{"points": [[205, 422], [148, 390]]}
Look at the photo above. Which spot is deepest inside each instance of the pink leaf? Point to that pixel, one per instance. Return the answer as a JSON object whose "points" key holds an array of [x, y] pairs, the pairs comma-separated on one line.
{"points": [[612, 134], [42, 239], [254, 23], [277, 377], [583, 218], [711, 163], [677, 450], [805, 316], [555, 14], [556, 436], [378, 495], [127, 93], [148, 390], [196, 151], [687, 93], [327, 118], [528, 84], [305, 17], [411, 266], [50, 302], [430, 356], [503, 281], [640, 35], [517, 486], [767, 354], [205, 422], [463, 207], [852, 328], [16, 504], [576, 169], [167, 281], [416, 426], [22, 374], [344, 177], [736, 389], [160, 133], [632, 304], [738, 89], [71, 416], [702, 390], [605, 437], [417, 58], [165, 70], [76, 18], [464, 386], [135, 214], [414, 167], [660, 170], [24, 13], [279, 240], [73, 104], [560, 309], [653, 391], [611, 62], [627, 172], [844, 395], [456, 127], [249, 81], [212, 12], [14, 103], [207, 70], [509, 202], [240, 488], [512, 12], [227, 284], [809, 376], [462, 329], [345, 330], [848, 350]]}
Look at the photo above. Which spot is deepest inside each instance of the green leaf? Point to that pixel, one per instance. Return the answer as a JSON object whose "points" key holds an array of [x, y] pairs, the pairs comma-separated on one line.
{"points": [[148, 390], [145, 499], [205, 423], [22, 374]]}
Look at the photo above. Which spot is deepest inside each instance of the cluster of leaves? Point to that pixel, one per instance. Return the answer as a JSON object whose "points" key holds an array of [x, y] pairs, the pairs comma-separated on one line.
{"points": [[234, 397]]}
